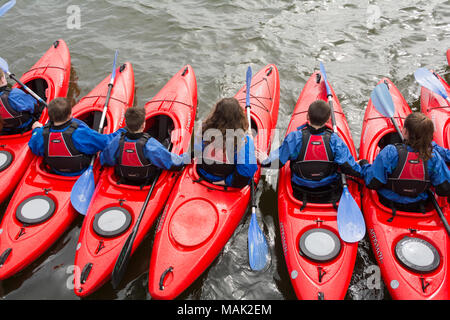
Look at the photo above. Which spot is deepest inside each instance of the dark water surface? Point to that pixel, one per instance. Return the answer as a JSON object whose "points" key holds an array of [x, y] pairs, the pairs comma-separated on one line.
{"points": [[358, 41]]}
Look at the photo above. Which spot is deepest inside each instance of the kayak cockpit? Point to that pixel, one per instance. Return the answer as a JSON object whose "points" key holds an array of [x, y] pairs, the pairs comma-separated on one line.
{"points": [[160, 127]]}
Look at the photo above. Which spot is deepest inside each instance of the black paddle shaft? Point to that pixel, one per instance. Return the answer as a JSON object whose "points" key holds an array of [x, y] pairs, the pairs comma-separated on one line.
{"points": [[333, 122], [125, 254], [439, 211]]}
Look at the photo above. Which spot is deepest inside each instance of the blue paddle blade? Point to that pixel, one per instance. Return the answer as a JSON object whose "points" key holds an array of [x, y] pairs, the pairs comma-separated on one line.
{"points": [[257, 245], [325, 79], [83, 190], [4, 65], [248, 81], [428, 80], [350, 221], [7, 6], [113, 76], [382, 100]]}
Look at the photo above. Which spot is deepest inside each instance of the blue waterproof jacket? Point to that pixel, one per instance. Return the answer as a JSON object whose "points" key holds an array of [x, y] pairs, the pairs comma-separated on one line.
{"points": [[290, 150], [443, 152], [21, 102], [376, 175]]}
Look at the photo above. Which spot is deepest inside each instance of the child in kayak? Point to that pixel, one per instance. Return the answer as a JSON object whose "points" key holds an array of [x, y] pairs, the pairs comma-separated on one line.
{"points": [[66, 143], [136, 155], [403, 172], [315, 153], [16, 107], [227, 153]]}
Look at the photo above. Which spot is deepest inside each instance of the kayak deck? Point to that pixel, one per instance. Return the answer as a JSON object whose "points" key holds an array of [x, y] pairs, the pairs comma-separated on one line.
{"points": [[21, 243], [200, 217], [438, 110], [49, 79], [314, 279], [385, 234], [176, 102]]}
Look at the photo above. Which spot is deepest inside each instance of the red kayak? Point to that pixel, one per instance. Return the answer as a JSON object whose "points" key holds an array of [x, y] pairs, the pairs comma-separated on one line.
{"points": [[316, 271], [170, 116], [412, 249], [49, 79], [200, 217], [438, 110], [40, 209], [448, 57]]}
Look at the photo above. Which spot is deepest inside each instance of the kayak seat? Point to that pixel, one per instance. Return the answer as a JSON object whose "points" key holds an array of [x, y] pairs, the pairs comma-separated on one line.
{"points": [[92, 119], [417, 207], [326, 194]]}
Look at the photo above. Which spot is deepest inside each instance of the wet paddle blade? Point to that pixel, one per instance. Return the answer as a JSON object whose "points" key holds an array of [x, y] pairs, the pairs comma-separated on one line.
{"points": [[257, 245], [248, 82], [83, 190], [4, 65], [6, 7], [428, 80], [350, 220], [325, 78], [382, 100]]}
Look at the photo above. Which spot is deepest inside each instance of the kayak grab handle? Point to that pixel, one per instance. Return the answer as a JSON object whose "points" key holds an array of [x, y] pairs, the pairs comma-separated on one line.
{"points": [[163, 276], [4, 256]]}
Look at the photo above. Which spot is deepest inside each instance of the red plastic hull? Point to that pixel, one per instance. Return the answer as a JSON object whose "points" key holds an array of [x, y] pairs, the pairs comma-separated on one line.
{"points": [[54, 68], [199, 218], [400, 281], [178, 100], [28, 242], [313, 280], [438, 110]]}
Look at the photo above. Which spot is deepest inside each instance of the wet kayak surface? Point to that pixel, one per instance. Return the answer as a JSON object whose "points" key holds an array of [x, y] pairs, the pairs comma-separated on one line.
{"points": [[358, 42]]}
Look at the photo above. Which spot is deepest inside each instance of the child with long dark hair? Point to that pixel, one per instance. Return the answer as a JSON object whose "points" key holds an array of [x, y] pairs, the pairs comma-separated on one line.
{"points": [[228, 153], [403, 172]]}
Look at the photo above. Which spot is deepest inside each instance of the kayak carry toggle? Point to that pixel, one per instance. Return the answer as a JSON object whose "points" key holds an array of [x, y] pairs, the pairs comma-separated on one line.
{"points": [[163, 276], [4, 256]]}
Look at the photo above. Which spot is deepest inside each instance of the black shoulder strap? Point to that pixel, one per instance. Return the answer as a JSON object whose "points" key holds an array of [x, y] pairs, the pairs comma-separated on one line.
{"points": [[327, 142], [306, 134], [402, 156]]}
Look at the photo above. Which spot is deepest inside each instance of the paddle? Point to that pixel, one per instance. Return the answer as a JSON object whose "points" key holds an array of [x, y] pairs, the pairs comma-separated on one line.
{"points": [[84, 187], [382, 100], [5, 68], [125, 253], [257, 244], [6, 7], [428, 80], [350, 221]]}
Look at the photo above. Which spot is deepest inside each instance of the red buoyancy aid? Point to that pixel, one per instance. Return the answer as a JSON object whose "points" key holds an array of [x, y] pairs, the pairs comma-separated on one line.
{"points": [[132, 165], [216, 162], [315, 160], [410, 177], [60, 153]]}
